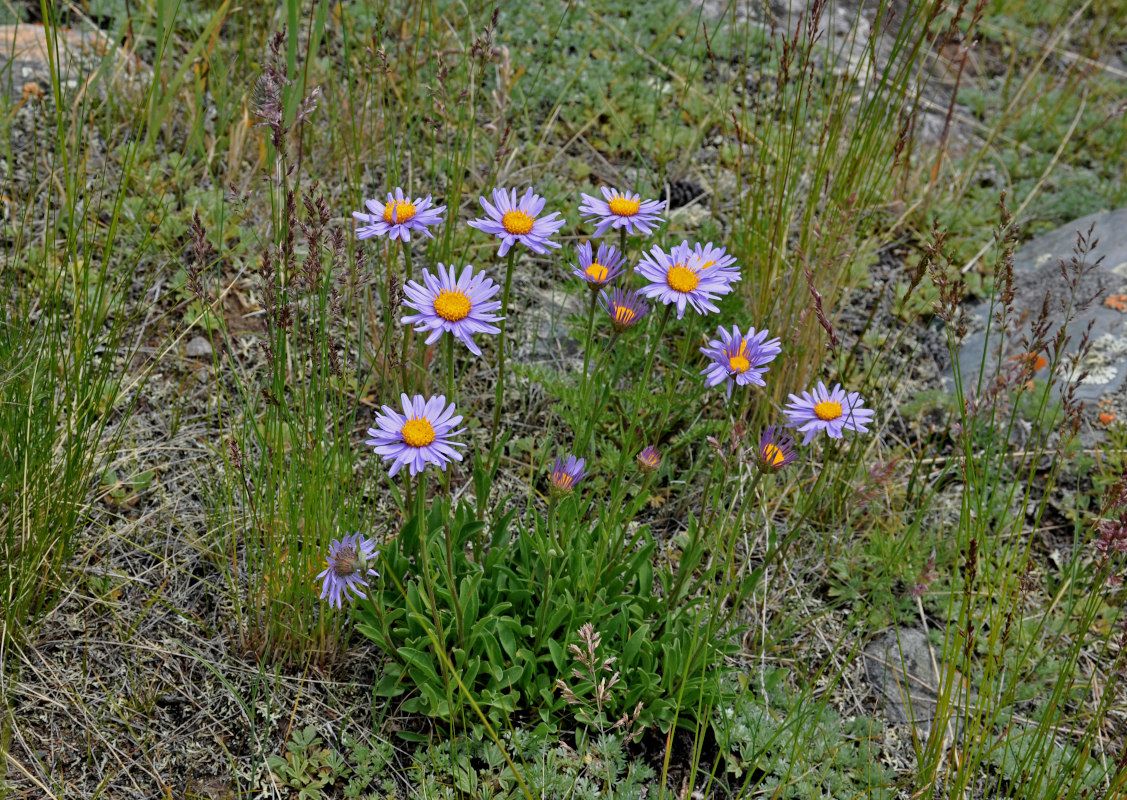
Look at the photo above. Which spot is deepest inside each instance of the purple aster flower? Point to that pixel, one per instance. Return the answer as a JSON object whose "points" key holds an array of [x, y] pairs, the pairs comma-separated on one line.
{"points": [[705, 255], [598, 269], [625, 309], [520, 222], [681, 277], [775, 451], [621, 210], [827, 410], [398, 217], [458, 305], [649, 459], [739, 359], [565, 474], [347, 568], [418, 436]]}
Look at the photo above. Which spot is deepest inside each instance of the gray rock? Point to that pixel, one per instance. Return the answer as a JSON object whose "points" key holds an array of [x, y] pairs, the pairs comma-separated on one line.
{"points": [[25, 72], [1037, 271], [902, 666], [199, 347]]}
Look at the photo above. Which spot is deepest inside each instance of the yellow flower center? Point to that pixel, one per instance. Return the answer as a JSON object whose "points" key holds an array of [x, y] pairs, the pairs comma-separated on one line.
{"points": [[597, 272], [398, 213], [624, 207], [772, 455], [737, 362], [681, 279], [418, 432], [517, 222], [562, 480], [452, 306], [827, 410], [623, 315]]}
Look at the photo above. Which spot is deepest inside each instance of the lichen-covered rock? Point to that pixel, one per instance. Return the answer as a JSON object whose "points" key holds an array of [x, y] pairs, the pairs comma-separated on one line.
{"points": [[1042, 267]]}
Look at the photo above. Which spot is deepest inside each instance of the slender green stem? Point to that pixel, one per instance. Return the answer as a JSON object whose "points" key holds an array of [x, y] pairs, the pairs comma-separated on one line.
{"points": [[587, 341], [499, 392], [675, 373], [622, 241], [654, 342], [584, 385], [406, 328], [552, 520], [449, 368]]}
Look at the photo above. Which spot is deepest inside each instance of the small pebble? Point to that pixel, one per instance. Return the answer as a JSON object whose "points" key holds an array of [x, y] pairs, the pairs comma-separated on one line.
{"points": [[199, 347]]}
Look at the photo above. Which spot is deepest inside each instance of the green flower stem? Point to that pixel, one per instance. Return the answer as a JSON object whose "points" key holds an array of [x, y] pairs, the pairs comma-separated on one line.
{"points": [[552, 519], [584, 386], [641, 388], [446, 473], [388, 344], [675, 374], [622, 240], [406, 328], [499, 393], [449, 367]]}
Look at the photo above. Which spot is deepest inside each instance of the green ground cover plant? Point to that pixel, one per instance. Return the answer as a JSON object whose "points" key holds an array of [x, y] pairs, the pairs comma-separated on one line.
{"points": [[546, 392]]}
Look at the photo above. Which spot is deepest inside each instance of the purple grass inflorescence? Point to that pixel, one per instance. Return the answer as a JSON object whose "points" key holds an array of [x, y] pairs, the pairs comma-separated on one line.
{"points": [[683, 278], [456, 305], [347, 567], [621, 210], [832, 411], [739, 359], [418, 436], [398, 217], [597, 268], [513, 221]]}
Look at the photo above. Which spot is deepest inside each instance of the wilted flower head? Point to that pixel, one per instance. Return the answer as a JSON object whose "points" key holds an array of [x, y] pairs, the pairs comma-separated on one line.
{"points": [[775, 450], [513, 221], [739, 359], [597, 269], [418, 436], [625, 308], [683, 278], [832, 411], [649, 459], [347, 568], [458, 305], [621, 210], [565, 474], [398, 217]]}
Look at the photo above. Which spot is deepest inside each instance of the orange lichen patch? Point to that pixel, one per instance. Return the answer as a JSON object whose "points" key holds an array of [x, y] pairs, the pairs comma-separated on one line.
{"points": [[1106, 418], [1116, 301], [1036, 360]]}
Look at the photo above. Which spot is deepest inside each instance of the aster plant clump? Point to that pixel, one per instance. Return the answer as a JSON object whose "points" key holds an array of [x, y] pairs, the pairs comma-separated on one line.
{"points": [[453, 565]]}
